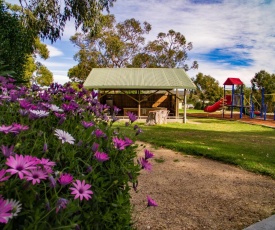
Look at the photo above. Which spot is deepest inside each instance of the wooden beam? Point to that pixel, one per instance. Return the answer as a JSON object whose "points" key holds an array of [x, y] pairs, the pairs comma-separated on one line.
{"points": [[102, 95]]}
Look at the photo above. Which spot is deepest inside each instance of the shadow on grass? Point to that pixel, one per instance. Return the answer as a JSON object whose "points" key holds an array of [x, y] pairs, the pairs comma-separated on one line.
{"points": [[249, 147]]}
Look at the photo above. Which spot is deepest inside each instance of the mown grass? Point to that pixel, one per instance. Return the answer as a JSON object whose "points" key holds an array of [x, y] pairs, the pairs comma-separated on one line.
{"points": [[251, 147], [181, 111]]}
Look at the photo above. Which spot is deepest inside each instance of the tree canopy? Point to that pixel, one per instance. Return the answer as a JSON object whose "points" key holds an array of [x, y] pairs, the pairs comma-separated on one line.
{"points": [[266, 81], [16, 41], [168, 50], [208, 89], [49, 17], [22, 26], [123, 45], [114, 46]]}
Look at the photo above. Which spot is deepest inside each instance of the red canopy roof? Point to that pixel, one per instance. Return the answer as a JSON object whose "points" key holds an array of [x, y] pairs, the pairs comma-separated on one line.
{"points": [[233, 81]]}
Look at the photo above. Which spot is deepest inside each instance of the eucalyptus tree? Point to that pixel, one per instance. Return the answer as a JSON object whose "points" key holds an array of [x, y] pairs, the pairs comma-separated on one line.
{"points": [[16, 41], [22, 24], [169, 50], [49, 17], [114, 46], [208, 88], [123, 45], [264, 81]]}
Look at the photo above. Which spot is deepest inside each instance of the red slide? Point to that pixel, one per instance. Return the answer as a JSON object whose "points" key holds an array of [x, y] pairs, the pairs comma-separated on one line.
{"points": [[214, 107]]}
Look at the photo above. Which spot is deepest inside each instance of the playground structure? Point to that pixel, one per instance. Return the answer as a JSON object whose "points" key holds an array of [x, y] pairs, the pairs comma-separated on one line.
{"points": [[234, 100]]}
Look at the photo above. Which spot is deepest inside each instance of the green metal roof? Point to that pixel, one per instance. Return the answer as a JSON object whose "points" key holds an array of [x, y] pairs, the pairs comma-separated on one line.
{"points": [[138, 78]]}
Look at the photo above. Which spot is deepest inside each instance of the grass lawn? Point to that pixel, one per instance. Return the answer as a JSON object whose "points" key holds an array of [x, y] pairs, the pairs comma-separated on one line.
{"points": [[181, 111], [251, 147]]}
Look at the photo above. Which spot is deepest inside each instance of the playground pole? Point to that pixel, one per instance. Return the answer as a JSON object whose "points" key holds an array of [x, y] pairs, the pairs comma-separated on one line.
{"points": [[233, 102], [252, 106], [262, 106], [241, 100]]}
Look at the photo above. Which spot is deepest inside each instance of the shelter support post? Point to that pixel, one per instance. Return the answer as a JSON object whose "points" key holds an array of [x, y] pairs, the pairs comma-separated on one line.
{"points": [[185, 105], [177, 104], [138, 104]]}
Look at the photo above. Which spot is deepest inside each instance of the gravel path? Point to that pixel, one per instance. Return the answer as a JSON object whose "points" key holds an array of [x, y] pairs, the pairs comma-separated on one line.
{"points": [[197, 193]]}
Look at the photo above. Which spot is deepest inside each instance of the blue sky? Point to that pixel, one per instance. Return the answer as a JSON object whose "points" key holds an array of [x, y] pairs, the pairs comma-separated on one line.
{"points": [[231, 38]]}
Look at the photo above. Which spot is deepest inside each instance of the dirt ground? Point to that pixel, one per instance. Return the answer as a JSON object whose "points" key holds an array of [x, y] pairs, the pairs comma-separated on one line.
{"points": [[270, 122], [197, 193]]}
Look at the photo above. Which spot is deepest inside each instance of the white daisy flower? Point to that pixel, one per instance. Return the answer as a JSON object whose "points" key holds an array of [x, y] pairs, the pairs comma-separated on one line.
{"points": [[16, 207], [64, 136], [55, 108], [39, 113]]}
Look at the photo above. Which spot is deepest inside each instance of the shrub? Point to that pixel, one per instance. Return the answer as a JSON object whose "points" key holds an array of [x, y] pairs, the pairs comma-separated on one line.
{"points": [[63, 165], [198, 105]]}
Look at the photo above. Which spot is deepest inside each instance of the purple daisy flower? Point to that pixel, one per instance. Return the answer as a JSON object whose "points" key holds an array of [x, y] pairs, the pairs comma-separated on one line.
{"points": [[95, 147], [52, 181], [5, 129], [132, 117], [7, 151], [116, 110], [24, 104], [151, 202], [81, 190], [46, 164], [87, 124], [145, 164], [99, 133], [101, 156], [139, 130], [5, 211], [65, 178], [121, 144], [2, 174], [17, 128], [35, 175], [45, 147], [20, 165], [148, 154], [61, 203]]}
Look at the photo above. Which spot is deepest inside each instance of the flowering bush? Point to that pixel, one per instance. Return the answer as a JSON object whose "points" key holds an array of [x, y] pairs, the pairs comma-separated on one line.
{"points": [[63, 165]]}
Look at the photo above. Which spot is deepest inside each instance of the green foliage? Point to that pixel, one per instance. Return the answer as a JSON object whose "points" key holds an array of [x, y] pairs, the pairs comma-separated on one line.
{"points": [[35, 72], [169, 50], [123, 45], [208, 89], [111, 180], [48, 17], [4, 70], [113, 47], [44, 77], [16, 42], [266, 81]]}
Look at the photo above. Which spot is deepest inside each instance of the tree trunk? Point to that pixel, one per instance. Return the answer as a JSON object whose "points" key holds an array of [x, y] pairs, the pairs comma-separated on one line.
{"points": [[157, 117]]}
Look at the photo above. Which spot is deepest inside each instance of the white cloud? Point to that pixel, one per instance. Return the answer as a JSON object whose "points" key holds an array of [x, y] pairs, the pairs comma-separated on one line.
{"points": [[61, 79], [244, 29], [54, 52]]}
